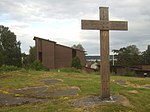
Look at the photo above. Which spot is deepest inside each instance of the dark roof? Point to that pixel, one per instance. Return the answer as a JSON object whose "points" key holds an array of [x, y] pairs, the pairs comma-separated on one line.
{"points": [[57, 44], [118, 66], [141, 70], [43, 39]]}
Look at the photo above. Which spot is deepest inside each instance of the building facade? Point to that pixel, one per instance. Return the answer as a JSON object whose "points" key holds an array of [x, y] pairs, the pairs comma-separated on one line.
{"points": [[54, 56]]}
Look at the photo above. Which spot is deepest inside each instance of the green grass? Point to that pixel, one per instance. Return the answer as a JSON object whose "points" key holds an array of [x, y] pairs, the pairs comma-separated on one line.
{"points": [[89, 84]]}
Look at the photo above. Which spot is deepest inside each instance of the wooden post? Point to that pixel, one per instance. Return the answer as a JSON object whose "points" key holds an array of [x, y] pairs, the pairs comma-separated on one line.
{"points": [[104, 53], [104, 25]]}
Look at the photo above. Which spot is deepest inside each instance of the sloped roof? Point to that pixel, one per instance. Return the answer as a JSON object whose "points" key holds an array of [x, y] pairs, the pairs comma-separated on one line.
{"points": [[56, 43]]}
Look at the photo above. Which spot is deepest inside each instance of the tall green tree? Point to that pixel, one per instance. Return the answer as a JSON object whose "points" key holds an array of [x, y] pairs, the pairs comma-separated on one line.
{"points": [[25, 59], [128, 56], [32, 54], [146, 55], [10, 52], [79, 46]]}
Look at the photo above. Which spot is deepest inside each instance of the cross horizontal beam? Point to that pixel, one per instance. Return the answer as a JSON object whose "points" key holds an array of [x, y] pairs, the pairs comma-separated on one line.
{"points": [[104, 25]]}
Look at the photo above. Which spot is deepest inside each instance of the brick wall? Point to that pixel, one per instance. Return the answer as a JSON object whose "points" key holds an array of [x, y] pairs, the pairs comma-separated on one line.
{"points": [[55, 56], [48, 56], [63, 56]]}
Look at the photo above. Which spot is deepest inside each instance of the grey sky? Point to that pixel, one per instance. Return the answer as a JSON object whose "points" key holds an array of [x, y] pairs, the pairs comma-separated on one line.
{"points": [[60, 21]]}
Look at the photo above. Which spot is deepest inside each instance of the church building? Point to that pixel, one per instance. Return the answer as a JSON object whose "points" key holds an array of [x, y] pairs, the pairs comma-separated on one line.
{"points": [[54, 56]]}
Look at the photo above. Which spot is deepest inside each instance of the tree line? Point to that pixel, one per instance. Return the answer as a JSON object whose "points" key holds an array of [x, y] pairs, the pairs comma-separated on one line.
{"points": [[131, 55], [10, 52]]}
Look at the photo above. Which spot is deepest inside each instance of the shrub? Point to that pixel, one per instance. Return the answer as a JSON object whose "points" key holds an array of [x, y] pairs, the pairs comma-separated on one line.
{"points": [[76, 63], [128, 72], [8, 68], [37, 65]]}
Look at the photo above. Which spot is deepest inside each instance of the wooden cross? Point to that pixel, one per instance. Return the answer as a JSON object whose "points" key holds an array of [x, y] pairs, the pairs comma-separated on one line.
{"points": [[104, 25]]}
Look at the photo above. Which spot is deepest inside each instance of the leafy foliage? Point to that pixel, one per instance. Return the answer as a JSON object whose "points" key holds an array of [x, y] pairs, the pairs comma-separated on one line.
{"points": [[79, 46], [146, 55], [32, 54], [27, 60], [37, 65], [128, 56], [10, 52], [76, 63], [128, 72], [8, 68]]}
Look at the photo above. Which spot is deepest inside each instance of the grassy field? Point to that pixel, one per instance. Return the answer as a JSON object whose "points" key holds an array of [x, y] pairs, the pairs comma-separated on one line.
{"points": [[89, 84]]}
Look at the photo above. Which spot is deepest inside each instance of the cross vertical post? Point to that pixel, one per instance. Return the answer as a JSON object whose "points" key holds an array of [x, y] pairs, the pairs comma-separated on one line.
{"points": [[104, 53], [104, 25]]}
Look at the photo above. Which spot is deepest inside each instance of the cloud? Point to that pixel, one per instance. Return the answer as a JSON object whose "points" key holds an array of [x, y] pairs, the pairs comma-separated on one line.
{"points": [[59, 20], [40, 9]]}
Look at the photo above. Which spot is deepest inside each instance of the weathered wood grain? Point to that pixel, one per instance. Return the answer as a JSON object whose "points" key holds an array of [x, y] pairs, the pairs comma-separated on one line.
{"points": [[104, 25]]}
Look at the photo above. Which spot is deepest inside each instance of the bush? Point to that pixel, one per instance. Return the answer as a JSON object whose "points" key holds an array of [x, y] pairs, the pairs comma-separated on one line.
{"points": [[8, 68], [76, 63], [128, 72], [37, 65]]}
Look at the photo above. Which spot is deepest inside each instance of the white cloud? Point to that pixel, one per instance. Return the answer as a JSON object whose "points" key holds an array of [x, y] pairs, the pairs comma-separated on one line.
{"points": [[59, 20]]}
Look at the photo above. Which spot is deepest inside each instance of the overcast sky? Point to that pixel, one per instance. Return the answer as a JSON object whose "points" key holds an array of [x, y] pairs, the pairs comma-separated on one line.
{"points": [[60, 21]]}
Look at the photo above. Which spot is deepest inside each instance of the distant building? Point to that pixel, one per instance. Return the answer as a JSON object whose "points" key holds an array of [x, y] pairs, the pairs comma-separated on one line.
{"points": [[139, 70], [54, 56], [93, 62], [119, 70], [95, 66]]}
